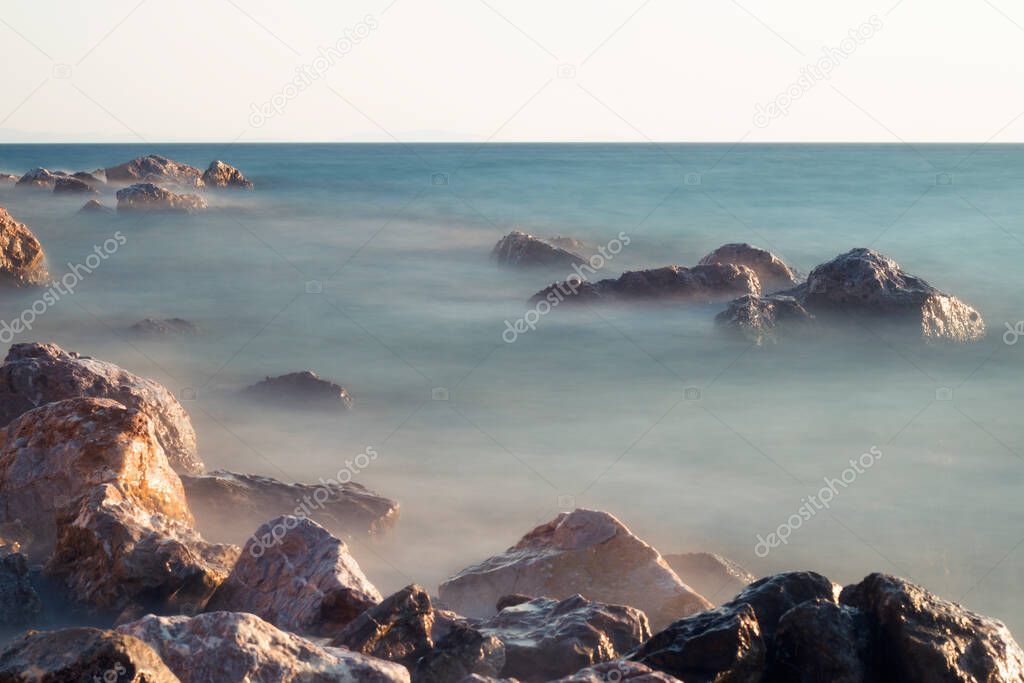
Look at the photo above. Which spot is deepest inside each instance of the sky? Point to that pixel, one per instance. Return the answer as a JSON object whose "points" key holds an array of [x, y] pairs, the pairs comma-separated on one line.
{"points": [[512, 71]]}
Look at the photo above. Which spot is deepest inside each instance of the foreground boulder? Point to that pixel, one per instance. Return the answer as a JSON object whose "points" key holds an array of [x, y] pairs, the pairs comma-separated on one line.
{"points": [[715, 577], [714, 282], [154, 168], [222, 175], [520, 249], [225, 504], [72, 185], [35, 374], [163, 327], [586, 552], [303, 390], [772, 272], [19, 602], [823, 641], [82, 654], [22, 261], [299, 577], [762, 319], [233, 647], [149, 197], [619, 670], [464, 651]]}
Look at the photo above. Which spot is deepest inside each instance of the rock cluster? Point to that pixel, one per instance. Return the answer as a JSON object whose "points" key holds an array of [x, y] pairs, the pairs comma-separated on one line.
{"points": [[149, 197], [301, 389], [715, 282], [154, 168], [22, 261], [520, 249]]}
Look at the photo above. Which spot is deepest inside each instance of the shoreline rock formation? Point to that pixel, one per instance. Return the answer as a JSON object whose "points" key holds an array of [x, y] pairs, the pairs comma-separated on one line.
{"points": [[154, 168], [22, 261], [149, 197]]}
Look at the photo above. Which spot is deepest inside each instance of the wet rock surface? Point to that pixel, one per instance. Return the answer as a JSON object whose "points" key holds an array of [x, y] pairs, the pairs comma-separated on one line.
{"points": [[222, 175], [463, 651], [35, 374], [226, 504], [232, 647], [822, 641], [22, 261], [19, 603], [149, 197], [520, 249], [81, 654], [715, 577], [400, 629], [302, 390], [764, 319], [154, 168], [707, 283], [296, 575], [772, 272], [587, 552]]}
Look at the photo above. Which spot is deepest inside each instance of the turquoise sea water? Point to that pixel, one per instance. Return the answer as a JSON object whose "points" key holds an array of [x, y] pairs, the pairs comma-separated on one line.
{"points": [[369, 265]]}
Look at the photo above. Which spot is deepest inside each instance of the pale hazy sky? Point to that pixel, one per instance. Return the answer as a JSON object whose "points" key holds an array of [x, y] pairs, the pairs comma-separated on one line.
{"points": [[511, 70]]}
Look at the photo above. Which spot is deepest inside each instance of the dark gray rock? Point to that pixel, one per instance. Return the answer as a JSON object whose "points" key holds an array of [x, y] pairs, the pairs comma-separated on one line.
{"points": [[19, 603], [709, 283], [520, 249], [301, 389], [464, 651], [163, 327], [72, 185], [822, 641], [93, 206]]}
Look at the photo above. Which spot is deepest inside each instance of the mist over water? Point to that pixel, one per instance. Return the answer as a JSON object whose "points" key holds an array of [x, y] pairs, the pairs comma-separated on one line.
{"points": [[591, 408]]}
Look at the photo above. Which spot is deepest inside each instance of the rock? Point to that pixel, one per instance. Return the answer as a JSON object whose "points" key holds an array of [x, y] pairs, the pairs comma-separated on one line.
{"points": [[921, 637], [8, 178], [296, 575], [233, 647], [671, 283], [19, 603], [586, 552], [149, 197], [723, 645], [38, 177], [13, 536], [114, 553], [520, 249], [822, 641], [619, 670], [463, 652], [81, 654], [162, 327], [570, 244], [546, 639], [772, 272], [711, 575], [863, 282], [762, 319], [92, 179], [773, 596], [154, 168], [304, 389], [400, 629], [35, 374], [219, 174], [93, 206], [22, 261], [70, 184]]}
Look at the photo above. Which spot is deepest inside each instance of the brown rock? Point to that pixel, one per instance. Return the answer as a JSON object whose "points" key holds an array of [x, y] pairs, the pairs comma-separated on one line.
{"points": [[399, 629], [715, 577], [586, 552], [39, 178], [149, 197], [81, 654], [771, 271], [302, 389], [22, 261], [154, 168], [35, 374], [715, 282], [8, 178], [520, 249], [232, 647], [71, 185], [224, 175], [299, 577]]}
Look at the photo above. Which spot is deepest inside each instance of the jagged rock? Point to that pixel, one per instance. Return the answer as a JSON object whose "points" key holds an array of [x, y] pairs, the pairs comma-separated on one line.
{"points": [[19, 602], [22, 261], [822, 641], [225, 504], [219, 174], [772, 272], [40, 178], [35, 374], [671, 283], [774, 595], [400, 629], [299, 577], [863, 282], [463, 652], [92, 179], [547, 638], [71, 185], [520, 249], [149, 197], [154, 168], [93, 206], [762, 319], [586, 552], [303, 389], [923, 638], [713, 576], [81, 654], [619, 670], [233, 647], [162, 327]]}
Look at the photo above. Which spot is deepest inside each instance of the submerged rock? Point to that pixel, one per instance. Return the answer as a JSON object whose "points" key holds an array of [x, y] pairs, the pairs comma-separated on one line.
{"points": [[149, 197], [22, 261], [72, 185], [299, 577], [672, 283], [34, 374], [82, 654], [586, 552], [520, 249], [302, 389], [40, 178], [225, 504], [219, 174], [772, 272], [762, 319], [713, 576], [93, 206], [19, 602], [162, 327], [233, 647], [154, 168]]}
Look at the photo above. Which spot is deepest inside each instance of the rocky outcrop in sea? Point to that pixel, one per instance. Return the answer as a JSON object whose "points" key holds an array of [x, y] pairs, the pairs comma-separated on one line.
{"points": [[22, 261]]}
